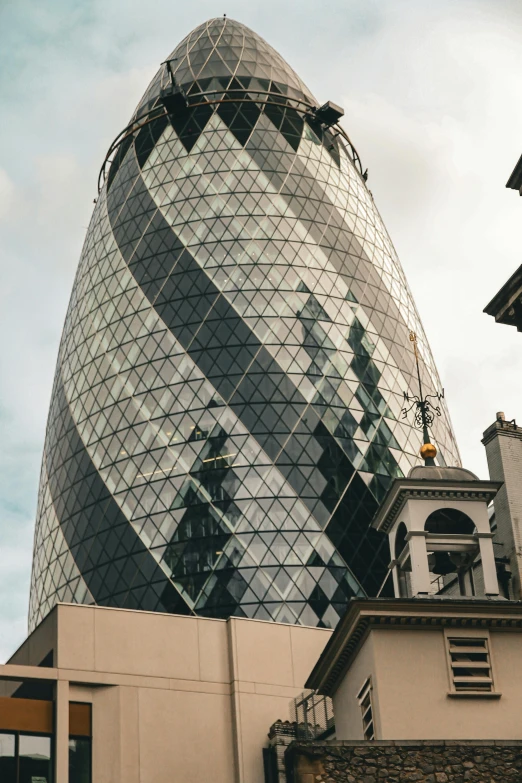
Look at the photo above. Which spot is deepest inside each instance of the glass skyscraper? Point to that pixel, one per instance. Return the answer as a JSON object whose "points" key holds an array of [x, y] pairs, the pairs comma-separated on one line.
{"points": [[226, 411]]}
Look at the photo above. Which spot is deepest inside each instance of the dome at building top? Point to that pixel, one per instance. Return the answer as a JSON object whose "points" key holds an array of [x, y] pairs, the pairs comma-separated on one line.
{"points": [[219, 51], [437, 474]]}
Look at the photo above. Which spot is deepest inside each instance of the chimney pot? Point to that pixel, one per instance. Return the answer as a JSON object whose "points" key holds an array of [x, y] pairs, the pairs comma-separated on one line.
{"points": [[501, 416]]}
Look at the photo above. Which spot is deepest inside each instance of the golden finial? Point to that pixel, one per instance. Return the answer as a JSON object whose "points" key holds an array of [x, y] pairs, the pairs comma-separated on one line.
{"points": [[428, 451]]}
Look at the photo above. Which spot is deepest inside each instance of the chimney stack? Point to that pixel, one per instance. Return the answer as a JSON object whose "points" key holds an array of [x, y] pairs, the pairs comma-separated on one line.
{"points": [[503, 442]]}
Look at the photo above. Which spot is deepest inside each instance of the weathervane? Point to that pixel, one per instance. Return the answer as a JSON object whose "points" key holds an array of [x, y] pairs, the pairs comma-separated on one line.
{"points": [[425, 410]]}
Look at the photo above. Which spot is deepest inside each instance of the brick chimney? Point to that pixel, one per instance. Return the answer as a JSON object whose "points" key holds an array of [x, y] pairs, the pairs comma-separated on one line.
{"points": [[503, 442]]}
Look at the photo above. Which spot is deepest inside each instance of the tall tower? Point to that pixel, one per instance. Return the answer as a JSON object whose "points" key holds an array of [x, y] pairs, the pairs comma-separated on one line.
{"points": [[226, 412]]}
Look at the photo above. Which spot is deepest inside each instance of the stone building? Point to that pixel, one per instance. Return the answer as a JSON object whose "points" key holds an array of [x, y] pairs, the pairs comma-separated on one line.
{"points": [[506, 305], [503, 442], [425, 687]]}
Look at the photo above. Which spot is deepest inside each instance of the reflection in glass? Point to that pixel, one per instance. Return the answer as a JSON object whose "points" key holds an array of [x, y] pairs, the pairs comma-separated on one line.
{"points": [[243, 422], [80, 760], [34, 759], [7, 758]]}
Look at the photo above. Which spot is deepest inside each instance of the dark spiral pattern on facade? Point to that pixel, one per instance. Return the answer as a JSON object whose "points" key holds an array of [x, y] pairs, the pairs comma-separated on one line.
{"points": [[226, 412]]}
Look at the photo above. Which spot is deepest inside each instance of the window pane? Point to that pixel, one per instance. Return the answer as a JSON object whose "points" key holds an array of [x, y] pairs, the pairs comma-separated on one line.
{"points": [[35, 759], [7, 745], [7, 758], [80, 760]]}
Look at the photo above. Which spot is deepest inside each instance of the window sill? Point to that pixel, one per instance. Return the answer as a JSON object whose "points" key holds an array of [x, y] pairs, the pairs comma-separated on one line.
{"points": [[474, 695]]}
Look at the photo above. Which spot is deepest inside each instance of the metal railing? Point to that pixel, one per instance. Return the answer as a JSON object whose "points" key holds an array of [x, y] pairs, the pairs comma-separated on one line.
{"points": [[261, 97], [313, 715]]}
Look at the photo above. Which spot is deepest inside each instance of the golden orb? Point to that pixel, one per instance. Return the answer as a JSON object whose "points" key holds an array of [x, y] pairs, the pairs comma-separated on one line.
{"points": [[428, 451]]}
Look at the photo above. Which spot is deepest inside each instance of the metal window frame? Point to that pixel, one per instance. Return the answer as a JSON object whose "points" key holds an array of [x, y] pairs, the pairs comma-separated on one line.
{"points": [[22, 733]]}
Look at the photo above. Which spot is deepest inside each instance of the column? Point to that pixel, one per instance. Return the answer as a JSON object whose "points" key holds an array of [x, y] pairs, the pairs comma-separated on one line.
{"points": [[420, 572], [489, 568], [61, 724]]}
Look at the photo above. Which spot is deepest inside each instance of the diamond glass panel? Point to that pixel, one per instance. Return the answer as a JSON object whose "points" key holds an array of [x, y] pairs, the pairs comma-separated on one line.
{"points": [[226, 415]]}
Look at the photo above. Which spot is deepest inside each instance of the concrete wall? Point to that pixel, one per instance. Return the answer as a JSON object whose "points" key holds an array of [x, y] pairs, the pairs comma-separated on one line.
{"points": [[33, 651], [39, 644], [177, 698], [411, 683]]}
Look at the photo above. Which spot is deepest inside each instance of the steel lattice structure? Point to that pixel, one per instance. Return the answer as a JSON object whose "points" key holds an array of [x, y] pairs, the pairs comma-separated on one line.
{"points": [[226, 412]]}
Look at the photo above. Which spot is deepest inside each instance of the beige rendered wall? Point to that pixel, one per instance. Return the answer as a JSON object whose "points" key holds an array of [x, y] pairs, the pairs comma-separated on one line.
{"points": [[411, 683], [195, 697], [347, 712], [270, 664]]}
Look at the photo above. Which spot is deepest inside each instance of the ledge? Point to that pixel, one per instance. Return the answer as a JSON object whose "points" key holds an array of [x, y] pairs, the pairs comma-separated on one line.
{"points": [[474, 695], [424, 743]]}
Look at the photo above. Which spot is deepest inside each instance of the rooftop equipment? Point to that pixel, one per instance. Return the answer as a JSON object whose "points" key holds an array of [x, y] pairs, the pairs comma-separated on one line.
{"points": [[329, 113]]}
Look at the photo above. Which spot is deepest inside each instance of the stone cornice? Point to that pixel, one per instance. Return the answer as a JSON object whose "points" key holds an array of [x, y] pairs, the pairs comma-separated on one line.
{"points": [[442, 489], [364, 615], [507, 295], [504, 428]]}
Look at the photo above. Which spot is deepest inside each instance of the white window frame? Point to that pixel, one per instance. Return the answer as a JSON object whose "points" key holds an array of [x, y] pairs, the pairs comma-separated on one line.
{"points": [[365, 701]]}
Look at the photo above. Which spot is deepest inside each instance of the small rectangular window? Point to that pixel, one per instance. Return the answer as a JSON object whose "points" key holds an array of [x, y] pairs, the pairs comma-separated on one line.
{"points": [[470, 665], [364, 698], [80, 760], [80, 750]]}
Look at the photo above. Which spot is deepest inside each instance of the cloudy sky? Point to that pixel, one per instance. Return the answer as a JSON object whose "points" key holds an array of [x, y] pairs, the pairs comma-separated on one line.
{"points": [[432, 92]]}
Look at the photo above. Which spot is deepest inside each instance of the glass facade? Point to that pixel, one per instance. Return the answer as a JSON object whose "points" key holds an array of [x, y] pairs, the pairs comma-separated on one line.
{"points": [[25, 758], [226, 412], [8, 765], [80, 752]]}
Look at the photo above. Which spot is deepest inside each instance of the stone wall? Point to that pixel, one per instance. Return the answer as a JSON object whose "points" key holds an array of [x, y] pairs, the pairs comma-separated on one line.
{"points": [[404, 762]]}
